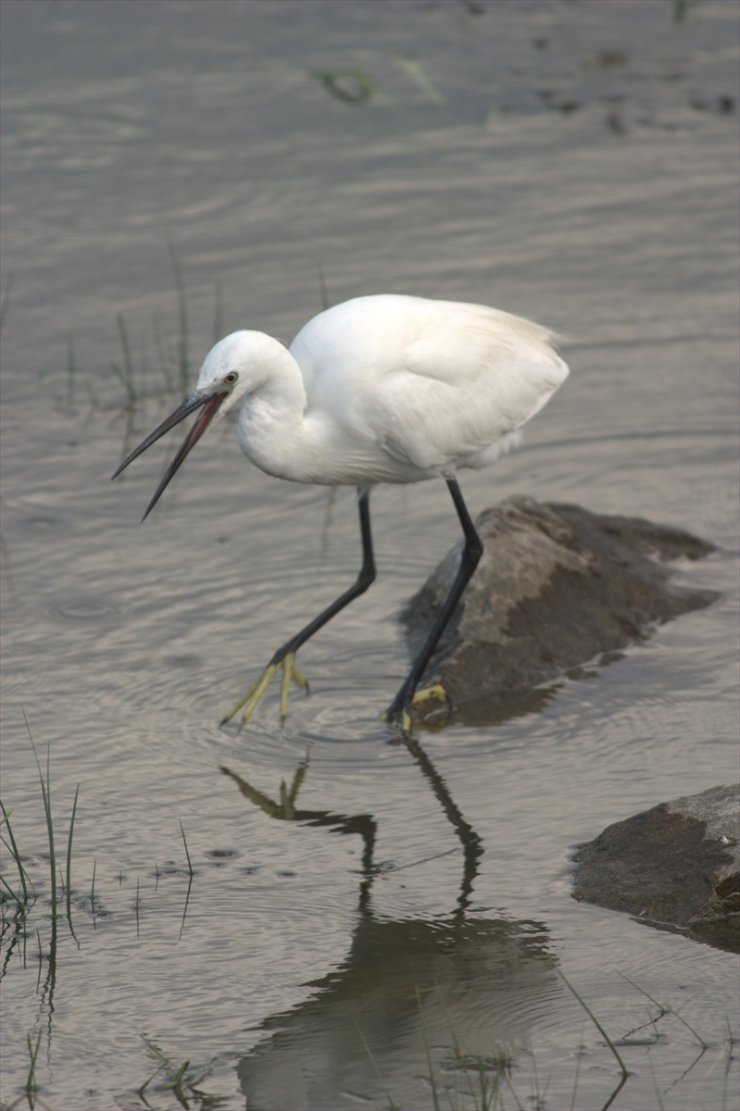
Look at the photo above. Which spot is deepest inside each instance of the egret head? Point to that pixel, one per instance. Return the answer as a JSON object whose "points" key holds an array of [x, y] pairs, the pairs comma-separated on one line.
{"points": [[234, 367], [237, 365]]}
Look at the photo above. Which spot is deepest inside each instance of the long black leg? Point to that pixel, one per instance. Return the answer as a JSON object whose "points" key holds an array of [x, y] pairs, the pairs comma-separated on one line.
{"points": [[364, 579], [471, 554], [284, 659]]}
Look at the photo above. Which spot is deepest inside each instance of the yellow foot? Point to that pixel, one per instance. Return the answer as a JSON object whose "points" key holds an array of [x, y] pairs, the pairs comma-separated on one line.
{"points": [[434, 693], [253, 697]]}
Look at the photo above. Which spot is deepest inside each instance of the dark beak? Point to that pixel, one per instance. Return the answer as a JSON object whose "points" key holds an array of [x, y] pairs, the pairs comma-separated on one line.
{"points": [[210, 404]]}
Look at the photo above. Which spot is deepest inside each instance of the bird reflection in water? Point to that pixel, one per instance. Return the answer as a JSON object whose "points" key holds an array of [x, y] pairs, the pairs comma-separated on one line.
{"points": [[463, 986]]}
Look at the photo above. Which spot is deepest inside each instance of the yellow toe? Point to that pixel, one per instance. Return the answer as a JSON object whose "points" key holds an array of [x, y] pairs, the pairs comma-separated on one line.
{"points": [[435, 692], [251, 700]]}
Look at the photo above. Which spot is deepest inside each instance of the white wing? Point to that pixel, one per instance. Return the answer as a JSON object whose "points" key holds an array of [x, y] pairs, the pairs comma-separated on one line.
{"points": [[435, 384]]}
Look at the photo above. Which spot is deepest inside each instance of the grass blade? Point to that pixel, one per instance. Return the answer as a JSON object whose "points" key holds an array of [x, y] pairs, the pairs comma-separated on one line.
{"points": [[622, 1067], [663, 1010], [92, 890], [182, 310], [415, 73], [31, 1088], [16, 856], [187, 854], [137, 904], [68, 881], [218, 312], [125, 373], [392, 1105], [46, 796]]}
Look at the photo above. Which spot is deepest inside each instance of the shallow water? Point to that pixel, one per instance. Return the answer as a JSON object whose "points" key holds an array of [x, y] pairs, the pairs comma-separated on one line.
{"points": [[563, 161]]}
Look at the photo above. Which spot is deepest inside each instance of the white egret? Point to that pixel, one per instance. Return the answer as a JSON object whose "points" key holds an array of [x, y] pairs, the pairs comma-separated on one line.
{"points": [[383, 388]]}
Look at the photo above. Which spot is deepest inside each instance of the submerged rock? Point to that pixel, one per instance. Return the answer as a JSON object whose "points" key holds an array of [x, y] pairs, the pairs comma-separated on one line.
{"points": [[675, 866], [557, 588]]}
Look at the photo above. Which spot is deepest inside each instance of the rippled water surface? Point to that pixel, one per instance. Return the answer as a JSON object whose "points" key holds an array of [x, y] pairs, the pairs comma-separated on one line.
{"points": [[356, 908]]}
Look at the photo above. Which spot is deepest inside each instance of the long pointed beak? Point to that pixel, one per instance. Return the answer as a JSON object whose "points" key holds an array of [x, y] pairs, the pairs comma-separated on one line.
{"points": [[210, 404]]}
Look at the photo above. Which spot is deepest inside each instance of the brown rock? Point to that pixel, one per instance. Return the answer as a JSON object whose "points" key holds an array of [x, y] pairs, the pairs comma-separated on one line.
{"points": [[558, 589], [675, 866]]}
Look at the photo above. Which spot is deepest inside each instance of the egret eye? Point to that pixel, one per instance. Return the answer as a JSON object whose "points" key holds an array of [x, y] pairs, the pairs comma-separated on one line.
{"points": [[231, 377]]}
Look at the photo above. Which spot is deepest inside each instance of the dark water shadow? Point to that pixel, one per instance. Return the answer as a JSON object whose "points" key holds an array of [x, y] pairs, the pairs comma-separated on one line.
{"points": [[461, 987]]}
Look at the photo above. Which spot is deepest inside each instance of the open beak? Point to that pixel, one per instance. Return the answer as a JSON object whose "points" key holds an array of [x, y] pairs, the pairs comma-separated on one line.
{"points": [[210, 404]]}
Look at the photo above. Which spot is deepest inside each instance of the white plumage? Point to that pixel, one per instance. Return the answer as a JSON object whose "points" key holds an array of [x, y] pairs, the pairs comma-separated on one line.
{"points": [[386, 389]]}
